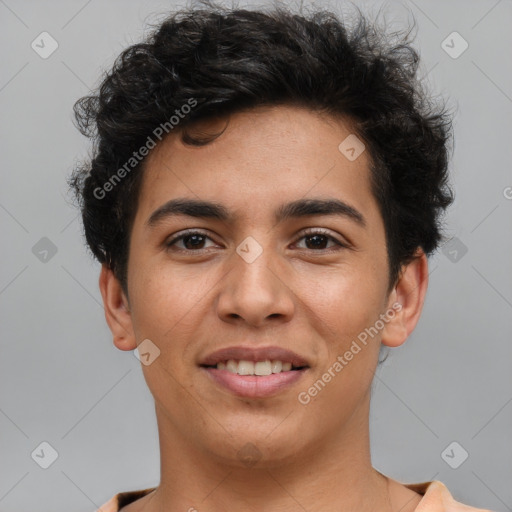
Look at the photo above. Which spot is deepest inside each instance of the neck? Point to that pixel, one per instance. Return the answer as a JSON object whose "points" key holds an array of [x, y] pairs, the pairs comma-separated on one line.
{"points": [[334, 475]]}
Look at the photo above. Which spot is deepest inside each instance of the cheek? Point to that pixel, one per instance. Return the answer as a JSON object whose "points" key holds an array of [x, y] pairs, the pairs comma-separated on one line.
{"points": [[344, 302], [159, 295], [156, 307], [169, 308], [349, 306], [164, 314]]}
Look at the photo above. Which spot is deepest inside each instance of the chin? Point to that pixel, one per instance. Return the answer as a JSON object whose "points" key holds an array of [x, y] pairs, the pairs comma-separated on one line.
{"points": [[258, 448]]}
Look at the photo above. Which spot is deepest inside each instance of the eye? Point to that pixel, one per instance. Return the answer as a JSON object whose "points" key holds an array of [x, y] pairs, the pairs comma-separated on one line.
{"points": [[317, 238], [192, 240]]}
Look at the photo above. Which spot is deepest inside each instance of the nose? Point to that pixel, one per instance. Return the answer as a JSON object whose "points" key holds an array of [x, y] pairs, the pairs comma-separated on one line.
{"points": [[256, 292]]}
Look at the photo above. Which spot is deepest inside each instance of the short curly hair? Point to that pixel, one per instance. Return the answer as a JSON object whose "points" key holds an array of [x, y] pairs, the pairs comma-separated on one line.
{"points": [[228, 60]]}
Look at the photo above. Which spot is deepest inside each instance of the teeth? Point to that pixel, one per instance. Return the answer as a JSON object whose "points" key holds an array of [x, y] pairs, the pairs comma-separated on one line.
{"points": [[263, 368], [254, 368], [277, 366], [231, 366], [245, 368]]}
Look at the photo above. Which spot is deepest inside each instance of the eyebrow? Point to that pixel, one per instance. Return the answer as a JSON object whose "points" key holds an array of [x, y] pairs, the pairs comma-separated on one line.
{"points": [[296, 209]]}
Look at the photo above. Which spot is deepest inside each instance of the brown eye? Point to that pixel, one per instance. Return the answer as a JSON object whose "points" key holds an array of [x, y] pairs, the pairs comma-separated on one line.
{"points": [[316, 240], [191, 241]]}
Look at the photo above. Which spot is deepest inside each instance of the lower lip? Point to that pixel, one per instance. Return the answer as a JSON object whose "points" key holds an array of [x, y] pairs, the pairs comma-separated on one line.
{"points": [[253, 386]]}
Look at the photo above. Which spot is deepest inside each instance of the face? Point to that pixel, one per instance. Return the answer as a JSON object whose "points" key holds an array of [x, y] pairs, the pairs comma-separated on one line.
{"points": [[239, 279]]}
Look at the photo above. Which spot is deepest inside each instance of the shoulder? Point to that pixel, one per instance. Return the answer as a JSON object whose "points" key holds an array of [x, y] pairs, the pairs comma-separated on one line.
{"points": [[437, 498], [110, 506], [122, 499]]}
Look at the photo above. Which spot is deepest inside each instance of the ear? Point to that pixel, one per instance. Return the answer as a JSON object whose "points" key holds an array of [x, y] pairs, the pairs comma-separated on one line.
{"points": [[117, 311], [406, 300]]}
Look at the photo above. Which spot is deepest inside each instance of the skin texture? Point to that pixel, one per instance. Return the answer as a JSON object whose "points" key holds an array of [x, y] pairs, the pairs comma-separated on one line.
{"points": [[314, 301]]}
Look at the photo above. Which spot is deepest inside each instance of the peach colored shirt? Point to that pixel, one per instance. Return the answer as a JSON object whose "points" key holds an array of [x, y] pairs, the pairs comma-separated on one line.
{"points": [[436, 498]]}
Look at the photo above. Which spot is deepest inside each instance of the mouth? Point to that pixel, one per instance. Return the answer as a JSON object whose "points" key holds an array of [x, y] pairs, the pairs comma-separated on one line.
{"points": [[254, 373], [258, 368]]}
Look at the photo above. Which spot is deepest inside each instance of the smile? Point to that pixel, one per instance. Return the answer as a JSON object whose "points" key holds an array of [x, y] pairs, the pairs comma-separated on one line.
{"points": [[254, 372], [260, 368]]}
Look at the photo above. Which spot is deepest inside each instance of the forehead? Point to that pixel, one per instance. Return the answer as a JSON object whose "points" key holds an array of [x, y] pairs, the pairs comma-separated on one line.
{"points": [[264, 157]]}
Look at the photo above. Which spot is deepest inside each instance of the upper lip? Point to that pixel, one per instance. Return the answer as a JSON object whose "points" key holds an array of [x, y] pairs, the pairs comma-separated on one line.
{"points": [[254, 354]]}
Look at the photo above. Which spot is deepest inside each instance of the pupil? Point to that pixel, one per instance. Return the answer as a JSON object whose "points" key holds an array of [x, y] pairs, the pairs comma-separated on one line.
{"points": [[197, 240], [196, 243], [317, 237]]}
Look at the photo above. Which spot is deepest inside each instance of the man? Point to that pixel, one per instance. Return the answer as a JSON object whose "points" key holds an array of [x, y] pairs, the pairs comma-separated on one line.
{"points": [[263, 197]]}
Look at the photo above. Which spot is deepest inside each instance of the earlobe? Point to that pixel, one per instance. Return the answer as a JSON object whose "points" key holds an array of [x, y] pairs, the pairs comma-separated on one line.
{"points": [[407, 300], [117, 311]]}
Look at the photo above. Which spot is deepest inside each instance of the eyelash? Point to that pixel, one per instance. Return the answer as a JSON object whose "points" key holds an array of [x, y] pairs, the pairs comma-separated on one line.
{"points": [[311, 232]]}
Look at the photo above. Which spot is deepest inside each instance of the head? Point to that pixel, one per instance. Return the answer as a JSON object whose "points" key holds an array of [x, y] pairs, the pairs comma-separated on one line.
{"points": [[307, 170]]}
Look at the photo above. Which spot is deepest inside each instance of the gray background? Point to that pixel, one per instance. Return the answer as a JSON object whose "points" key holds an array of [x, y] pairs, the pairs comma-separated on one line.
{"points": [[61, 379]]}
